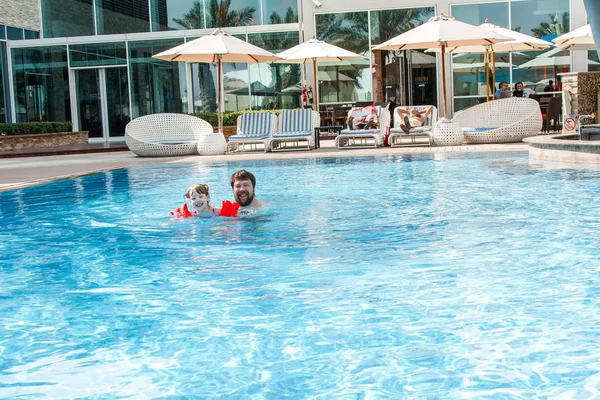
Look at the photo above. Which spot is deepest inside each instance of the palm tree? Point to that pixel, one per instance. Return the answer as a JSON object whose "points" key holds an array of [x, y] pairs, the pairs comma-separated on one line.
{"points": [[554, 27], [219, 15], [193, 19]]}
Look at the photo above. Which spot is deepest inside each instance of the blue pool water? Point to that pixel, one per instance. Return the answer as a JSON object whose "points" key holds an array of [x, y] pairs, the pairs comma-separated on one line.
{"points": [[409, 277]]}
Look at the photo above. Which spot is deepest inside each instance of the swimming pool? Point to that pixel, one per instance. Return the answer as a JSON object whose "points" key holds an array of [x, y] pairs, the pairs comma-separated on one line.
{"points": [[398, 277]]}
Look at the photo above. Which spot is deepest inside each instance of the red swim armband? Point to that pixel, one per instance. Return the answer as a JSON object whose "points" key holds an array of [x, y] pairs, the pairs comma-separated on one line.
{"points": [[182, 212], [229, 209]]}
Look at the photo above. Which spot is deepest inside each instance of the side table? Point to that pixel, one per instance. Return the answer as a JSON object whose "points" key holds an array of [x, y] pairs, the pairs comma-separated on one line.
{"points": [[336, 129], [448, 134], [212, 144]]}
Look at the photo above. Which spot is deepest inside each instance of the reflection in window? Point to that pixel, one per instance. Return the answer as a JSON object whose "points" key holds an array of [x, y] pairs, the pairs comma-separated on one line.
{"points": [[349, 31], [177, 14], [476, 14], [280, 11], [223, 13], [97, 54], [41, 84], [4, 102], [124, 16], [275, 85], [61, 18], [156, 86], [204, 80], [546, 20]]}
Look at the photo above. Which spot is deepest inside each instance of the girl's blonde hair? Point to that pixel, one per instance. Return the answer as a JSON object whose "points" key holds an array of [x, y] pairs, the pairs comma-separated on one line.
{"points": [[198, 188]]}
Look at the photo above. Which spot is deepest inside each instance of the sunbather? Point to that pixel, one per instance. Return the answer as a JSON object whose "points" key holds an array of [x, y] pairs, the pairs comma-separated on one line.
{"points": [[363, 118], [412, 118]]}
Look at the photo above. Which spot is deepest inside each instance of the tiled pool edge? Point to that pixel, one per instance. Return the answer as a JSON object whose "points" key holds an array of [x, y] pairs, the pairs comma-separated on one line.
{"points": [[114, 161]]}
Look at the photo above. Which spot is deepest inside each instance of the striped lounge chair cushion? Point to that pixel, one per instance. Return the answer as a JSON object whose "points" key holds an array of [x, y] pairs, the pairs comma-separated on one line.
{"points": [[295, 123], [360, 131], [255, 126], [420, 129]]}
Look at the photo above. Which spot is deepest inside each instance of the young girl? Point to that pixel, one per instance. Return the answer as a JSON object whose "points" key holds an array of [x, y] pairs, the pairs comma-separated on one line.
{"points": [[200, 201]]}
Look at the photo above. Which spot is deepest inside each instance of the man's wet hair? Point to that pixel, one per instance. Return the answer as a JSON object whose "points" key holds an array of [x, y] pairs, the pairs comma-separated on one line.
{"points": [[243, 175]]}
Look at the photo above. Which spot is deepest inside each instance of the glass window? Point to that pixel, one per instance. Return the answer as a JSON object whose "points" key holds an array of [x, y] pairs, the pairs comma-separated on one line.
{"points": [[2, 32], [97, 54], [177, 14], [13, 33], [275, 42], [280, 11], [349, 31], [123, 16], [63, 18], [476, 14], [31, 34], [220, 13], [237, 89], [4, 102], [546, 20], [41, 84], [386, 24], [593, 61], [156, 86], [204, 79]]}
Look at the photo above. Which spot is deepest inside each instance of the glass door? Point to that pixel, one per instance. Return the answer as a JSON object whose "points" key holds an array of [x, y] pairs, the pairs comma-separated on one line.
{"points": [[102, 102], [89, 102]]}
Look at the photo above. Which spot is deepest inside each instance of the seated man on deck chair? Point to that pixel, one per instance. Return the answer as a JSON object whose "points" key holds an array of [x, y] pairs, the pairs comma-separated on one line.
{"points": [[412, 118], [363, 118]]}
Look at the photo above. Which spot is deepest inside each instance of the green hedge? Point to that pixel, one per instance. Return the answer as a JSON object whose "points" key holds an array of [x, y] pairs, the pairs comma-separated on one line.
{"points": [[229, 117], [28, 128]]}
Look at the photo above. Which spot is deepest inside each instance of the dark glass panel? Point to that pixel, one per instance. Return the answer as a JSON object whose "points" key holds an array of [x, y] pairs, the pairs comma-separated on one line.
{"points": [[41, 84], [117, 101], [31, 34], [97, 54], [2, 32], [4, 102], [122, 16], [156, 86], [13, 33], [280, 11], [63, 18]]}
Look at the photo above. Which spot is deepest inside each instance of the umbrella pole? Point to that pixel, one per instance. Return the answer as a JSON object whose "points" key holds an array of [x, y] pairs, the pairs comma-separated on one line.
{"points": [[487, 75], [494, 70], [444, 79], [219, 111], [316, 93]]}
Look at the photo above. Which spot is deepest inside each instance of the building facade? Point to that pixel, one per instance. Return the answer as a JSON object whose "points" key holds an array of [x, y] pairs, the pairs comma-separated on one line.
{"points": [[90, 61]]}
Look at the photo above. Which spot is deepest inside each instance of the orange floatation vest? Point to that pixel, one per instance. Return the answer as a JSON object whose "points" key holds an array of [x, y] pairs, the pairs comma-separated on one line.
{"points": [[229, 209]]}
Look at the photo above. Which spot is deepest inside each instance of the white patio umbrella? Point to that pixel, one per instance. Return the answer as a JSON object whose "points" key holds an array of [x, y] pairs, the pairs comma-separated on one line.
{"points": [[579, 39], [217, 47], [442, 32], [316, 50], [519, 42]]}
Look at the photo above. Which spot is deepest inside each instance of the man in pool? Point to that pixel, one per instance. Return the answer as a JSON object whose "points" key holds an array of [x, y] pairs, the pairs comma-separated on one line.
{"points": [[243, 184]]}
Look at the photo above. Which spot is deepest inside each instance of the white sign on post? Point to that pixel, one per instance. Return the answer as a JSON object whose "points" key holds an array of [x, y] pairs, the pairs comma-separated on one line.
{"points": [[570, 124]]}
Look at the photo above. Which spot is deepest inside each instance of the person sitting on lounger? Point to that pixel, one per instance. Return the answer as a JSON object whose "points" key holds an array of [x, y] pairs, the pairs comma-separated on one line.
{"points": [[412, 118], [363, 117]]}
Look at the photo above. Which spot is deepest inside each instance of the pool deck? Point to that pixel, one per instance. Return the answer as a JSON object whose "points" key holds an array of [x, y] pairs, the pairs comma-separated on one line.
{"points": [[33, 169]]}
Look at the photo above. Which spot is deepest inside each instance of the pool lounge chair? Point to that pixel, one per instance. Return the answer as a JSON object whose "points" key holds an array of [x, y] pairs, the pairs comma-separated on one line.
{"points": [[254, 132], [296, 130], [501, 121], [418, 136], [165, 134], [365, 138]]}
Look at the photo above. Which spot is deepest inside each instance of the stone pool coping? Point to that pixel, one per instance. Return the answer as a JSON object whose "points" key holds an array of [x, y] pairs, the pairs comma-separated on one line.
{"points": [[18, 173], [563, 148]]}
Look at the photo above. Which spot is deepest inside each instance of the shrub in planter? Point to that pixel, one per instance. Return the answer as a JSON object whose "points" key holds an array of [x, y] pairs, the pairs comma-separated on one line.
{"points": [[30, 128]]}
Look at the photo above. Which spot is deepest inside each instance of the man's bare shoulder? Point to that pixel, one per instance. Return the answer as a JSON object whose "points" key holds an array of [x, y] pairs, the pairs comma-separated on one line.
{"points": [[258, 203]]}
